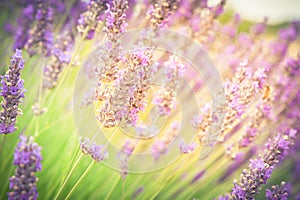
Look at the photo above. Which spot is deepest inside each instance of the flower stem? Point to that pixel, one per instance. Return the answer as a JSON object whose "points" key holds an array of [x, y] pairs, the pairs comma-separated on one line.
{"points": [[113, 188], [68, 176], [79, 180], [2, 143]]}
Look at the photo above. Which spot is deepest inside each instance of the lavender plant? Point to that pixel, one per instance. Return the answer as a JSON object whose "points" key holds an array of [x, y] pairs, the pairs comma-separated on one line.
{"points": [[140, 108]]}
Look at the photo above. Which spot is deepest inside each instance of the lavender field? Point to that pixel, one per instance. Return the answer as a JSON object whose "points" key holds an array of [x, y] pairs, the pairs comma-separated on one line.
{"points": [[147, 99]]}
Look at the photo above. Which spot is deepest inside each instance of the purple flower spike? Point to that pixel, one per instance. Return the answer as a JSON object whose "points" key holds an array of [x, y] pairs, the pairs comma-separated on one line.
{"points": [[59, 60], [124, 155], [161, 11], [97, 152], [24, 23], [91, 17], [41, 36], [28, 159], [260, 169], [12, 91]]}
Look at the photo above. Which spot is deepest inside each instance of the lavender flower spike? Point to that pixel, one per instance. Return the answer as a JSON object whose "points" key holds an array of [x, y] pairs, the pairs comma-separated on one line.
{"points": [[97, 152], [260, 169], [41, 36], [12, 91], [278, 192], [27, 158]]}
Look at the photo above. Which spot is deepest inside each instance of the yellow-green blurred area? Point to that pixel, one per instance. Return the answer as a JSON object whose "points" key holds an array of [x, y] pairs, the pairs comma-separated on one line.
{"points": [[56, 130]]}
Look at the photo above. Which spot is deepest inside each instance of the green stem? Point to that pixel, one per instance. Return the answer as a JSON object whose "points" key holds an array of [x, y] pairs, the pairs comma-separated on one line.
{"points": [[68, 177], [73, 160], [123, 189], [79, 180], [113, 188], [2, 143]]}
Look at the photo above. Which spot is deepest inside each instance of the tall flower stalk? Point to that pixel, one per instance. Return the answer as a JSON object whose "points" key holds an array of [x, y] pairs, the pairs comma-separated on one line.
{"points": [[28, 159], [12, 91]]}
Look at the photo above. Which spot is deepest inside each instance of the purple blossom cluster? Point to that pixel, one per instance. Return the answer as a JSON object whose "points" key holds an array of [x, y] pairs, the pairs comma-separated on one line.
{"points": [[123, 102], [160, 12], [110, 52], [24, 23], [59, 59], [166, 100], [278, 192], [41, 35], [187, 148], [262, 111], [260, 169], [97, 152], [28, 159], [160, 146], [89, 21], [124, 156], [239, 92], [12, 91]]}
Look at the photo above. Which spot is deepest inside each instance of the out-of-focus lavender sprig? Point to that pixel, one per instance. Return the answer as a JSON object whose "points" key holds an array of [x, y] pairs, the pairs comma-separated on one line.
{"points": [[159, 147], [160, 12], [91, 17], [203, 22], [240, 92], [166, 100], [260, 169], [187, 148], [24, 23], [124, 102], [60, 58], [97, 152], [124, 156], [110, 52], [28, 159], [262, 111], [278, 192], [287, 83], [41, 35], [12, 91]]}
